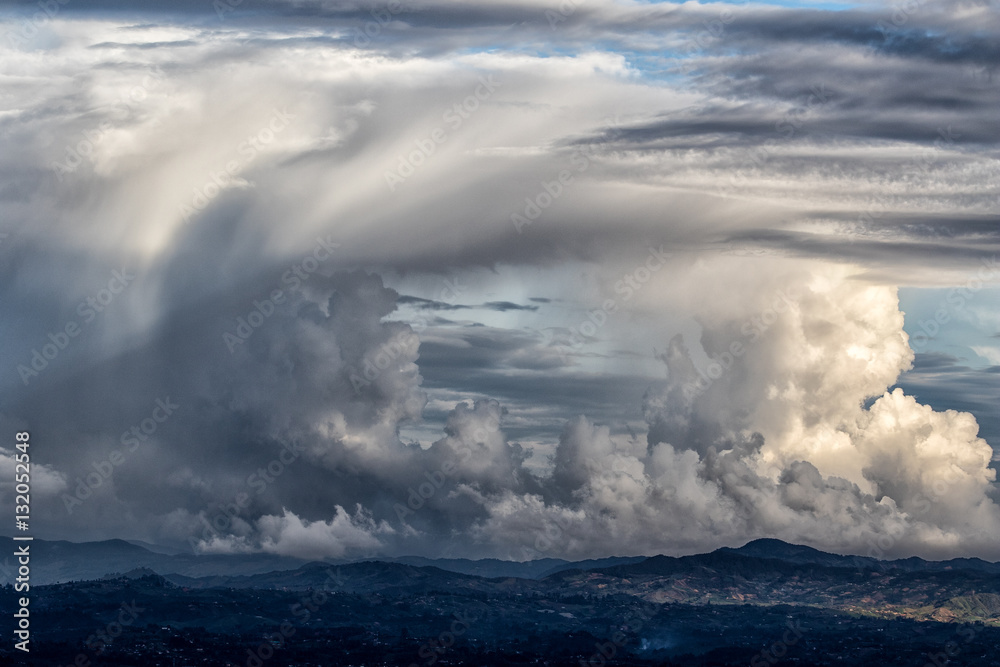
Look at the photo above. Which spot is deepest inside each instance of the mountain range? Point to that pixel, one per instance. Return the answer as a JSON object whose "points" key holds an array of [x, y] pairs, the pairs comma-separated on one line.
{"points": [[62, 561], [729, 607]]}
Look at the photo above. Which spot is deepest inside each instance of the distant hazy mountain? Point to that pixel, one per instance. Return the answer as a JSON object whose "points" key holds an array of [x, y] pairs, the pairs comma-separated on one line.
{"points": [[534, 569], [728, 605], [487, 567], [790, 553], [797, 553], [370, 576], [60, 561], [158, 548], [961, 590], [726, 577], [365, 577], [724, 609]]}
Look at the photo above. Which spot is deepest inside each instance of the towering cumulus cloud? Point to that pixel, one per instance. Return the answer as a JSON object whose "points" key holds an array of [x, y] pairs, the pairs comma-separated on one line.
{"points": [[787, 429], [777, 435]]}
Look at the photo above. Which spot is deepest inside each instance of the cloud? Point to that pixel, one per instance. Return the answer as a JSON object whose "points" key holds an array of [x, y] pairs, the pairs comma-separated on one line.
{"points": [[949, 384], [46, 481], [798, 165], [428, 304], [772, 441], [991, 354], [504, 306], [289, 535]]}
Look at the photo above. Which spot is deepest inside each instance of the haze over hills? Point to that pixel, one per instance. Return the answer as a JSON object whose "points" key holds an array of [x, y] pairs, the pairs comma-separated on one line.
{"points": [[798, 553], [61, 561], [764, 572], [707, 609], [532, 569]]}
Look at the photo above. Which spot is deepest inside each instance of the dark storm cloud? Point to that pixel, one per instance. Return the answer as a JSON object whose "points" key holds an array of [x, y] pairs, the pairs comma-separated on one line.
{"points": [[481, 347], [429, 304], [504, 306], [221, 432], [834, 94], [538, 379], [756, 124], [984, 228], [889, 249], [930, 361], [926, 34], [929, 35], [144, 45], [518, 369]]}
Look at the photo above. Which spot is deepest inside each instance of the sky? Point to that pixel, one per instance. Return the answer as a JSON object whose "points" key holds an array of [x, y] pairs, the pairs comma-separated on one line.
{"points": [[503, 279]]}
